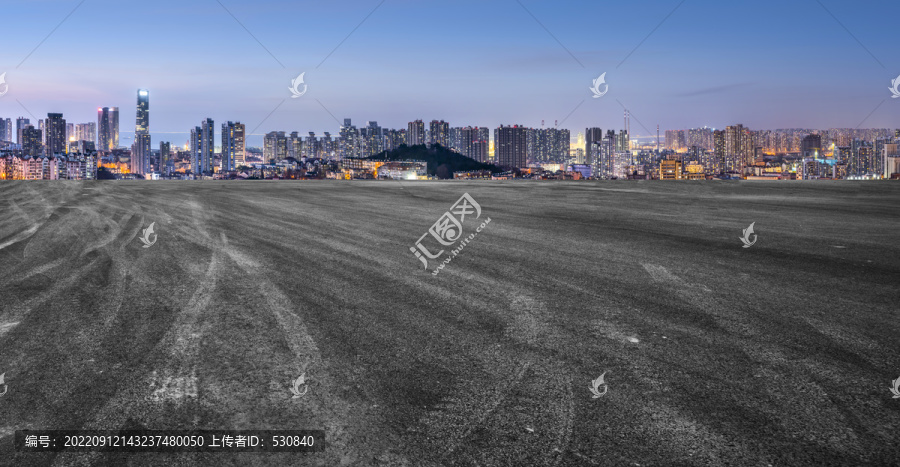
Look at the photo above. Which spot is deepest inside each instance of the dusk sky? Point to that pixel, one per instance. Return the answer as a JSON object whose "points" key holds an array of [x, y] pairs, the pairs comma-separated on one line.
{"points": [[768, 64]]}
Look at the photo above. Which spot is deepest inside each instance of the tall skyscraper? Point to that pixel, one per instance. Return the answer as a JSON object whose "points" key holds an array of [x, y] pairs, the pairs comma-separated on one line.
{"points": [[373, 138], [811, 146], [140, 154], [21, 123], [415, 133], [604, 156], [31, 141], [233, 146], [274, 146], [55, 129], [548, 145], [207, 146], [166, 164], [327, 145], [623, 143], [295, 145], [739, 148], [511, 146], [6, 130], [311, 147], [348, 140], [592, 139], [140, 149], [107, 128], [862, 160], [472, 142], [86, 132], [718, 152], [142, 122], [196, 158], [439, 134]]}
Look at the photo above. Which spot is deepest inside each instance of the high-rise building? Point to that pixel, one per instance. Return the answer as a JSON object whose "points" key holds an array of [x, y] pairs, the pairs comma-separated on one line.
{"points": [[511, 146], [311, 145], [31, 141], [675, 139], [472, 142], [592, 139], [623, 143], [274, 147], [166, 164], [233, 146], [21, 123], [739, 148], [605, 150], [811, 146], [207, 146], [548, 145], [373, 138], [107, 128], [718, 159], [6, 130], [348, 140], [415, 133], [140, 154], [142, 123], [439, 134], [55, 129], [393, 139], [294, 145], [140, 149], [890, 156], [862, 160], [327, 145], [86, 132], [196, 158]]}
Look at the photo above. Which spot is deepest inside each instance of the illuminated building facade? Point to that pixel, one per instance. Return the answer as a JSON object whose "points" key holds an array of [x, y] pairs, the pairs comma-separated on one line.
{"points": [[512, 146], [108, 128], [415, 133], [439, 134], [207, 146], [55, 129], [233, 145]]}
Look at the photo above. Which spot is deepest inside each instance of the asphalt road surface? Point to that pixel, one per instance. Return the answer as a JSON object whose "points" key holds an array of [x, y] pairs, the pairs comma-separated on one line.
{"points": [[782, 353]]}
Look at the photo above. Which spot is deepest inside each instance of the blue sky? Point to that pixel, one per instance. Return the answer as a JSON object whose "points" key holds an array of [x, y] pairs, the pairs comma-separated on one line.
{"points": [[766, 64]]}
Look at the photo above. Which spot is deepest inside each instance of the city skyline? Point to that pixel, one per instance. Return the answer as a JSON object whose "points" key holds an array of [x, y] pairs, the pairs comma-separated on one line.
{"points": [[512, 64]]}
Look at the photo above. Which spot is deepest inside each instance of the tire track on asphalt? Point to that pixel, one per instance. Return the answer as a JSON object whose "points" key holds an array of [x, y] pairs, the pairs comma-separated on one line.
{"points": [[152, 390], [569, 427], [179, 376], [336, 416], [21, 311], [665, 423], [37, 221], [772, 365], [496, 397]]}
